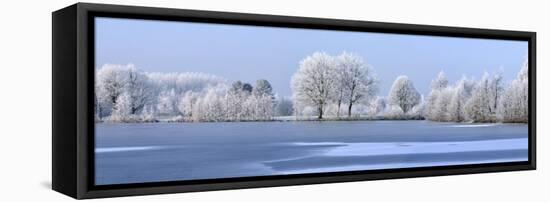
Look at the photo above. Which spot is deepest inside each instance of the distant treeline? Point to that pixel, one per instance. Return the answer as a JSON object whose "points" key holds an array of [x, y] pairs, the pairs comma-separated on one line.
{"points": [[125, 94]]}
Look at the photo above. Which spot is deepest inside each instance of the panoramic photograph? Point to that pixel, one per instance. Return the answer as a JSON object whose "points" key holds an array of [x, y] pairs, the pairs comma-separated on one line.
{"points": [[178, 101]]}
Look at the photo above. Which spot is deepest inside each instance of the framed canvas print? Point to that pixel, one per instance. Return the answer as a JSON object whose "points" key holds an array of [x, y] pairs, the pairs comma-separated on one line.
{"points": [[154, 100]]}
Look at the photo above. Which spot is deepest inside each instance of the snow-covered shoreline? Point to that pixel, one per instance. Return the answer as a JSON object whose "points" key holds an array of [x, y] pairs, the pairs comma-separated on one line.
{"points": [[312, 119]]}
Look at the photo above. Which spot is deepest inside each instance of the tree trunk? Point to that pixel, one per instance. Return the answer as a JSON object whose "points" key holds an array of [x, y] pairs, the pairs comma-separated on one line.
{"points": [[338, 110], [99, 111], [349, 109], [113, 100], [320, 112], [496, 99]]}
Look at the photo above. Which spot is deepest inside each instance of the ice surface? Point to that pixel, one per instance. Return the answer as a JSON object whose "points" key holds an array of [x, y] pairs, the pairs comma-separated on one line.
{"points": [[136, 153]]}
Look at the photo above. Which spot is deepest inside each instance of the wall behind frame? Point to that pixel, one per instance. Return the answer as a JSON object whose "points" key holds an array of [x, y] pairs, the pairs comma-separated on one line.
{"points": [[25, 84]]}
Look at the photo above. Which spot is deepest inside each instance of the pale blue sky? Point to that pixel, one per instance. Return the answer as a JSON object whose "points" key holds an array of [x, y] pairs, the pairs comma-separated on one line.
{"points": [[248, 53]]}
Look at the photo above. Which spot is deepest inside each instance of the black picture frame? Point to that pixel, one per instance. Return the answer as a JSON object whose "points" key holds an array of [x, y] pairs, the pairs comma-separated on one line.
{"points": [[73, 92]]}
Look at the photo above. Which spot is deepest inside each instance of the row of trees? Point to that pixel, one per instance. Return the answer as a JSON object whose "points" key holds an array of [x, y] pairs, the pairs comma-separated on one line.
{"points": [[486, 100], [340, 87], [324, 82], [323, 79], [125, 94]]}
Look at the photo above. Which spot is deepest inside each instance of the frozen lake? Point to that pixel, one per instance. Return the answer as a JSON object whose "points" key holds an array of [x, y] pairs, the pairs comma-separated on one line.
{"points": [[153, 152]]}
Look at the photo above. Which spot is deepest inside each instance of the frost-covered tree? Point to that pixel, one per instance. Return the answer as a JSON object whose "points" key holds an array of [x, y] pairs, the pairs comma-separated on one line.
{"points": [[148, 114], [97, 107], [101, 104], [337, 95], [263, 88], [485, 100], [496, 90], [284, 107], [313, 83], [139, 90], [247, 88], [514, 105], [114, 80], [440, 110], [245, 102], [258, 104], [433, 111], [258, 108], [181, 83], [478, 107], [237, 86], [418, 112], [440, 81], [210, 107], [403, 94], [466, 100], [167, 103], [460, 95], [235, 98], [111, 82], [354, 80], [186, 104], [456, 106], [240, 86], [122, 111], [265, 108], [184, 82], [377, 106], [446, 102]]}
